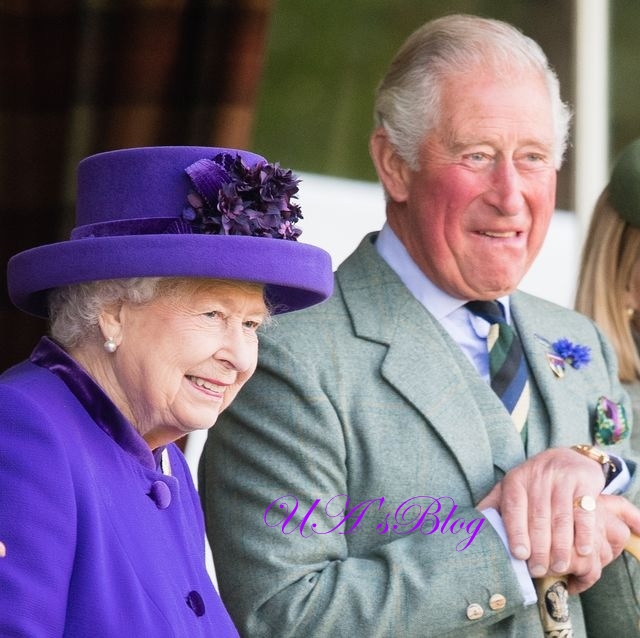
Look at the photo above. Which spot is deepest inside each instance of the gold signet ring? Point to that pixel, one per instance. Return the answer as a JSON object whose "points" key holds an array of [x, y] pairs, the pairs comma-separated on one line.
{"points": [[586, 503]]}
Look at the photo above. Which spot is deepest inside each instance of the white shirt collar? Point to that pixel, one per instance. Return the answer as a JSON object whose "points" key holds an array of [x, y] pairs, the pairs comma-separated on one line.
{"points": [[436, 301]]}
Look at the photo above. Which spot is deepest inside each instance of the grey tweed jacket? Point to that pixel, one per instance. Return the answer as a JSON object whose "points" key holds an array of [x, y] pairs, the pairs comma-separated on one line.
{"points": [[364, 397]]}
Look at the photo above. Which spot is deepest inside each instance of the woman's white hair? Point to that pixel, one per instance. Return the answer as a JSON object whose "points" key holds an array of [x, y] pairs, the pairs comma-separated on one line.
{"points": [[74, 310], [407, 100]]}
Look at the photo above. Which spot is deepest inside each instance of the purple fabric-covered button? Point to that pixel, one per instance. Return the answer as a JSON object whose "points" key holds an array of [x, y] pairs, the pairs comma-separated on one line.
{"points": [[160, 494], [195, 602]]}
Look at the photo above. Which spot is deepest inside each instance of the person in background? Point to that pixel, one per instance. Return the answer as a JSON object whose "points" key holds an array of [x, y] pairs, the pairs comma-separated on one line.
{"points": [[178, 256], [361, 484], [609, 277]]}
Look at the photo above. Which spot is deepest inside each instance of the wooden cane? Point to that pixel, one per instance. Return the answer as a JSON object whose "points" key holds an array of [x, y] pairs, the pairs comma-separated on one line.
{"points": [[553, 598]]}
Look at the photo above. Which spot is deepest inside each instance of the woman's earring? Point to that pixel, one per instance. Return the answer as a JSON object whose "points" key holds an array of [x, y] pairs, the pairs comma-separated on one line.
{"points": [[630, 312], [110, 345]]}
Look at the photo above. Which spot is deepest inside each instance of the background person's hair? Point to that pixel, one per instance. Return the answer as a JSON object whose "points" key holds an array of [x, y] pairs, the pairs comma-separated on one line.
{"points": [[408, 97], [609, 257]]}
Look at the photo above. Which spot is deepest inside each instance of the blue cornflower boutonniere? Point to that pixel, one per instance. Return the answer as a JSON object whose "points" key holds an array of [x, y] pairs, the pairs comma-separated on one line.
{"points": [[563, 352], [611, 422]]}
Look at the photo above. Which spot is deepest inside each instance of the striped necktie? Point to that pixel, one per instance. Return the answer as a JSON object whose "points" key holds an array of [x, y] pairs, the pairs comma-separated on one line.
{"points": [[507, 366]]}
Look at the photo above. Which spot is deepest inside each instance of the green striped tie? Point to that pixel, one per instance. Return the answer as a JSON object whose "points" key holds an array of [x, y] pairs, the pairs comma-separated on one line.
{"points": [[507, 365]]}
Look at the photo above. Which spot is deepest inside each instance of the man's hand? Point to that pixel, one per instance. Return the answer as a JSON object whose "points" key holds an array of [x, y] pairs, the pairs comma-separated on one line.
{"points": [[537, 502]]}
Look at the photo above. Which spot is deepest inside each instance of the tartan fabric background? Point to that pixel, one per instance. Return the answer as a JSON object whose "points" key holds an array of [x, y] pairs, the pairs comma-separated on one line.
{"points": [[85, 76]]}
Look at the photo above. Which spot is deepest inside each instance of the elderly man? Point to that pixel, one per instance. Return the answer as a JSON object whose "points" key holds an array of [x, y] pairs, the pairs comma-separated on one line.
{"points": [[397, 467]]}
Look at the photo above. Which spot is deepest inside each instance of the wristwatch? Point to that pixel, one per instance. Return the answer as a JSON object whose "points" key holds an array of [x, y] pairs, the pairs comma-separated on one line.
{"points": [[610, 467]]}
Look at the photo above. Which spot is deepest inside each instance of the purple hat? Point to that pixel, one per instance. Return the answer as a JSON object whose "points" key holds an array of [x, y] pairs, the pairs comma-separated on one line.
{"points": [[180, 211]]}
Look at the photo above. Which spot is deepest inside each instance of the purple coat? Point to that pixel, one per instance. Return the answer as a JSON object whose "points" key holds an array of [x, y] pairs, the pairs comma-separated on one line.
{"points": [[100, 542]]}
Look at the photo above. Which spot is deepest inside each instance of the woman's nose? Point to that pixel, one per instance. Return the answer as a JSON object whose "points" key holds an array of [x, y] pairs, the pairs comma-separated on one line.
{"points": [[239, 350]]}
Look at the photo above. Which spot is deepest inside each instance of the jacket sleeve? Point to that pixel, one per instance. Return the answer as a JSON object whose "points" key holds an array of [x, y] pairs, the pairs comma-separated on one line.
{"points": [[283, 437], [37, 520]]}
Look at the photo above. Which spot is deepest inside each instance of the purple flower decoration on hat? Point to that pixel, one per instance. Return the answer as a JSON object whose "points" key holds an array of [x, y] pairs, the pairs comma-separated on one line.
{"points": [[231, 198]]}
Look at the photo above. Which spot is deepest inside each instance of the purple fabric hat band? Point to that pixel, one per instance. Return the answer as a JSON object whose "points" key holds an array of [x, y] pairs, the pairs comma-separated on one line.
{"points": [[149, 226], [130, 223]]}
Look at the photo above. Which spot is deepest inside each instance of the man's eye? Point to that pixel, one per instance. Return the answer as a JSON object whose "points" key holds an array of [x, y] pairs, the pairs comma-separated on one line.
{"points": [[252, 325], [533, 161], [477, 157]]}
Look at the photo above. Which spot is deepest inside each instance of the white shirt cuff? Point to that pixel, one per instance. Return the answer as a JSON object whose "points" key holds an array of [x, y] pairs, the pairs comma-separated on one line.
{"points": [[519, 566], [621, 482]]}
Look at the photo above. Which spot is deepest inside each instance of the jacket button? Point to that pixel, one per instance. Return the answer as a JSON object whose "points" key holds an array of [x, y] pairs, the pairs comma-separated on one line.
{"points": [[160, 494], [195, 602], [474, 611], [497, 602]]}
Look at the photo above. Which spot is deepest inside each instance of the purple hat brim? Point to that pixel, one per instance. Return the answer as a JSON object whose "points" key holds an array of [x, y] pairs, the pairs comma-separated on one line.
{"points": [[296, 275]]}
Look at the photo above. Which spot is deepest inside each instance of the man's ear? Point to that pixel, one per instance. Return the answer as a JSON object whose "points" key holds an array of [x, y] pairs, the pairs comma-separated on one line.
{"points": [[393, 172]]}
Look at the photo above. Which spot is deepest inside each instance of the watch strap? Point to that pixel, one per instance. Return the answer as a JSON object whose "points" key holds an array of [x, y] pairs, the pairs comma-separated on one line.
{"points": [[611, 466]]}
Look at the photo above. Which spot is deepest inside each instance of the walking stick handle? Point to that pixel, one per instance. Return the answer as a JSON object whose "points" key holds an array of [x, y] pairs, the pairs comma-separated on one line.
{"points": [[553, 598], [553, 605], [633, 546]]}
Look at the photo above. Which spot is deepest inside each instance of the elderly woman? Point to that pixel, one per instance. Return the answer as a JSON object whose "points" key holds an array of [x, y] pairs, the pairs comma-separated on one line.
{"points": [[180, 254]]}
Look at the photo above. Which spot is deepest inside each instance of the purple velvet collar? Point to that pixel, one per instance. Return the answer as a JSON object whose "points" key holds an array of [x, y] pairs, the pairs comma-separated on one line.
{"points": [[47, 354]]}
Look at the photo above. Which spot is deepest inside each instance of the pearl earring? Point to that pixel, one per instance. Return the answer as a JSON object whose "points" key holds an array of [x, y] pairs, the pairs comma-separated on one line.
{"points": [[110, 345], [630, 312]]}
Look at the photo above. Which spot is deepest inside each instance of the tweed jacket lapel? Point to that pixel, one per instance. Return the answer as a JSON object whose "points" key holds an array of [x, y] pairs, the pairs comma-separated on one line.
{"points": [[538, 324], [429, 370]]}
